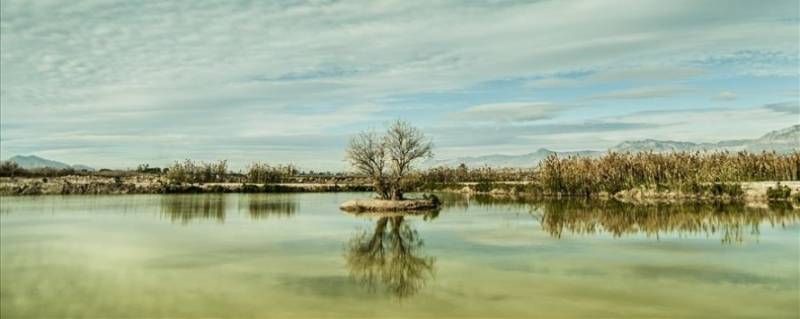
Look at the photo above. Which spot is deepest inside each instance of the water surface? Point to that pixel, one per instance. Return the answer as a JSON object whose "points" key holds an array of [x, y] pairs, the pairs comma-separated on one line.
{"points": [[297, 255]]}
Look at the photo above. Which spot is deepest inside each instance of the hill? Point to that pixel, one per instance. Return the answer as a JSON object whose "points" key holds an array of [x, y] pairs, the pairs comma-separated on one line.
{"points": [[782, 141], [33, 161]]}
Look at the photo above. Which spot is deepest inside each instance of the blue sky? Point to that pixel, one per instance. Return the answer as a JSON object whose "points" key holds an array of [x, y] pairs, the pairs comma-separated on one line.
{"points": [[118, 83]]}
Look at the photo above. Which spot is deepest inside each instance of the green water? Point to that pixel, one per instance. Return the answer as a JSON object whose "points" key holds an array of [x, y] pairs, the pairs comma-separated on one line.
{"points": [[297, 255]]}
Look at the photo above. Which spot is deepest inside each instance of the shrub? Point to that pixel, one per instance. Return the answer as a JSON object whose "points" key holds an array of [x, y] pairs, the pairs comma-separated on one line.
{"points": [[146, 169], [11, 169], [780, 192]]}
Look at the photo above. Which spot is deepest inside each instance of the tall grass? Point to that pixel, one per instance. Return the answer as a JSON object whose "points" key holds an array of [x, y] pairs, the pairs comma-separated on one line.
{"points": [[681, 171], [265, 173], [463, 173], [190, 171]]}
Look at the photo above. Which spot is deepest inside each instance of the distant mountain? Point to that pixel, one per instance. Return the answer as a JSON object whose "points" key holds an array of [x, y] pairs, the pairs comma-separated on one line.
{"points": [[497, 160], [83, 168], [781, 141], [33, 161], [653, 145]]}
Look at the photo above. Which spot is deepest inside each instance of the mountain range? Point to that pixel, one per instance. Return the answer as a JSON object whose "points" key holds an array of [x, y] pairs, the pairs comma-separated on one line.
{"points": [[33, 161], [781, 141]]}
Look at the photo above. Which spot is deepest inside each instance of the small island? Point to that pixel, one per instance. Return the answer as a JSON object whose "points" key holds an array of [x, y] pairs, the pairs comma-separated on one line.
{"points": [[387, 159], [388, 205]]}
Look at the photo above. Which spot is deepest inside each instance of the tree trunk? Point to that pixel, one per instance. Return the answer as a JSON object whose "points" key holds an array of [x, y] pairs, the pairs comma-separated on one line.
{"points": [[397, 195]]}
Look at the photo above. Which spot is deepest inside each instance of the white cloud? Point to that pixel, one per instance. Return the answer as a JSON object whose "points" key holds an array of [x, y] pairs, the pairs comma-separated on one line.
{"points": [[510, 112], [703, 125], [649, 92], [639, 74], [726, 96], [694, 125], [791, 107]]}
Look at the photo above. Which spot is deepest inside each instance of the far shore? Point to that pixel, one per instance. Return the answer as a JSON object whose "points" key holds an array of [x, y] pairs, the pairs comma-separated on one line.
{"points": [[144, 184], [751, 192], [97, 185]]}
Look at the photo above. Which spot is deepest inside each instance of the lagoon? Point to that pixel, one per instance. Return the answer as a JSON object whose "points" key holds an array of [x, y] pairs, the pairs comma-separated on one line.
{"points": [[299, 256]]}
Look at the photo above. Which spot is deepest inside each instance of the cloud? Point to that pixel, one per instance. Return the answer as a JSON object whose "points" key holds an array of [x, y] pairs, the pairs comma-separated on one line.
{"points": [[647, 73], [704, 124], [462, 140], [104, 70], [510, 112], [792, 108], [643, 93], [726, 96], [639, 74], [762, 62]]}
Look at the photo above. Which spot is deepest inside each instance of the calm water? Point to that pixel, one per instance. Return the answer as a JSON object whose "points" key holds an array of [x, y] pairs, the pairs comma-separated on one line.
{"points": [[297, 255]]}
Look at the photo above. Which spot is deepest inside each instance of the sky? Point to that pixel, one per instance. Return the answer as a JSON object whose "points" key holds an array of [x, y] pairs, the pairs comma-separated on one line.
{"points": [[119, 83]]}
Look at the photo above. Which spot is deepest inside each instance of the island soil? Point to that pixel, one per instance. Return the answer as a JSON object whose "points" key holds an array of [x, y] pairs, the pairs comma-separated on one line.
{"points": [[382, 205]]}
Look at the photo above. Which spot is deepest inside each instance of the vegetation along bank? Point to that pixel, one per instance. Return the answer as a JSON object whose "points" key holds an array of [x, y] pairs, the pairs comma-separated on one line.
{"points": [[683, 175]]}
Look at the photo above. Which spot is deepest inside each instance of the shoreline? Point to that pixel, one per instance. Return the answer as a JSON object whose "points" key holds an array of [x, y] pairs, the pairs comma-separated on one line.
{"points": [[83, 185], [750, 192], [137, 184]]}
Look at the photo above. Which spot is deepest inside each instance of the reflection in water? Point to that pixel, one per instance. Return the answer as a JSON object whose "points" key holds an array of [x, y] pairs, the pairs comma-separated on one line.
{"points": [[390, 258], [264, 207], [733, 221], [465, 201], [185, 208]]}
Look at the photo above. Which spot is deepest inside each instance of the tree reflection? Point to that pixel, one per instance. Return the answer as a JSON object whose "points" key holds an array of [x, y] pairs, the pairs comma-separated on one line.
{"points": [[186, 208], [390, 258]]}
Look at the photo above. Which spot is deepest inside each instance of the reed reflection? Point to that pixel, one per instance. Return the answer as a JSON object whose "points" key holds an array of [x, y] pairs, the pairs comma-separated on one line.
{"points": [[464, 201], [187, 208], [732, 221], [261, 207], [390, 258]]}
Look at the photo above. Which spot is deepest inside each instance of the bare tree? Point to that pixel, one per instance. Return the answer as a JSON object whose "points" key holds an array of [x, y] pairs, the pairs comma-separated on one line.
{"points": [[405, 144], [367, 154], [388, 159]]}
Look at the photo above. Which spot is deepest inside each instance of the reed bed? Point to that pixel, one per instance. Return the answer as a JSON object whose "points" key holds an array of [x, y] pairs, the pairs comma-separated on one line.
{"points": [[190, 171], [462, 173], [265, 173], [679, 172]]}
